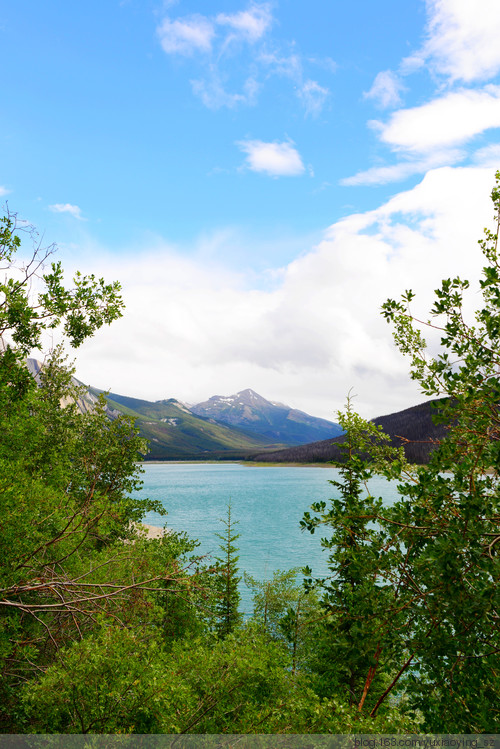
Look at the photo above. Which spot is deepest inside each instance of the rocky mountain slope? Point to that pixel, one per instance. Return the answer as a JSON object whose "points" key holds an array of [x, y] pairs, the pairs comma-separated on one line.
{"points": [[86, 401], [250, 411]]}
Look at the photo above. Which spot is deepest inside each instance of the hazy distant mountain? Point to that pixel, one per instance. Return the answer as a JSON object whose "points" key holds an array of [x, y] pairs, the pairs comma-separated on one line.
{"points": [[413, 424], [250, 411], [175, 433]]}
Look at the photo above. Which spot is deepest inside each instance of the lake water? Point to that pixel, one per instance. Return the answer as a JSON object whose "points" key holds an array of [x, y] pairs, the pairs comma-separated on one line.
{"points": [[267, 501]]}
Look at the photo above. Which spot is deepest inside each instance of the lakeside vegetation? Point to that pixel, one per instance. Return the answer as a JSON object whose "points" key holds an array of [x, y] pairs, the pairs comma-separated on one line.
{"points": [[103, 630]]}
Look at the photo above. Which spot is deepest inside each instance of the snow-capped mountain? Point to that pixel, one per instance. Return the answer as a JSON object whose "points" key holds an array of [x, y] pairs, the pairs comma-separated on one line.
{"points": [[250, 411]]}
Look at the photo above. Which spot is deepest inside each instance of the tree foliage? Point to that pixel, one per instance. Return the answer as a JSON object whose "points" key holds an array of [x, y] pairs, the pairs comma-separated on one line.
{"points": [[412, 601], [448, 521], [71, 555], [26, 314], [288, 613], [356, 638]]}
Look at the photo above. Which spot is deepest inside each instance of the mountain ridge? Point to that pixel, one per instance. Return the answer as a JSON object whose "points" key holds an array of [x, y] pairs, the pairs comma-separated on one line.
{"points": [[412, 428], [175, 433], [252, 428], [250, 411]]}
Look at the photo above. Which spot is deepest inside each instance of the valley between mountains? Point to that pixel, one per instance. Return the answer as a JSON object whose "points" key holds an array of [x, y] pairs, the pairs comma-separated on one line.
{"points": [[229, 428], [246, 426]]}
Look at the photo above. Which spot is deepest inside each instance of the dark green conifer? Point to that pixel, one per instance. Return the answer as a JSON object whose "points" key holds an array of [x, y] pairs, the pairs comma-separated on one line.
{"points": [[228, 616]]}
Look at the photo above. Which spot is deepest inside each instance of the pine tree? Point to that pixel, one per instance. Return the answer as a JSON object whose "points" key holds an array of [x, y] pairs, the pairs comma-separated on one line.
{"points": [[228, 616], [356, 634]]}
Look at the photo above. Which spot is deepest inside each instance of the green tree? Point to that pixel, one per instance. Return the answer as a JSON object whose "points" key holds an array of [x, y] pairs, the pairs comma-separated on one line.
{"points": [[187, 608], [448, 520], [356, 636], [415, 595], [287, 613], [243, 684], [109, 682], [24, 315], [71, 554], [228, 616]]}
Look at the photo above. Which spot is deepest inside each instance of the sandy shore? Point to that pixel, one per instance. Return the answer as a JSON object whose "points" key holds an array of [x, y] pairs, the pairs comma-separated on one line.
{"points": [[152, 531]]}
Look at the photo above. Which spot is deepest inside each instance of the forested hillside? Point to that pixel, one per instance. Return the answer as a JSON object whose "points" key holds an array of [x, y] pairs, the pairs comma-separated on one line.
{"points": [[416, 429]]}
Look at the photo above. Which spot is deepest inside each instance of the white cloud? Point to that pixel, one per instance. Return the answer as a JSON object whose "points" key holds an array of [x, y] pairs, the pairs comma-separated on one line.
{"points": [[461, 45], [73, 210], [197, 33], [3, 191], [313, 97], [386, 89], [275, 159], [381, 175], [214, 96], [324, 62], [243, 36], [250, 24], [488, 156], [462, 40], [192, 329], [311, 94], [447, 121], [279, 64], [187, 35]]}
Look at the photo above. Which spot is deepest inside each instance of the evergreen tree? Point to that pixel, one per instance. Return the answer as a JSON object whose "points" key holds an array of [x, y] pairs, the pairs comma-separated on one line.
{"points": [[356, 634], [228, 616]]}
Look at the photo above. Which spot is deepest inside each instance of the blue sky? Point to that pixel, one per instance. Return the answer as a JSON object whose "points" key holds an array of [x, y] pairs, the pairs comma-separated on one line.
{"points": [[259, 175]]}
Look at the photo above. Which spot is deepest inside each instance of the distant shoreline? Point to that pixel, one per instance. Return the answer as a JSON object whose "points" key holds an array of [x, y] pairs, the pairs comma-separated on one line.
{"points": [[248, 463]]}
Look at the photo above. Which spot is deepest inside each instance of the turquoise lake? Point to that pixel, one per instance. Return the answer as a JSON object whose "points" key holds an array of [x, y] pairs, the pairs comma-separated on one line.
{"points": [[267, 501]]}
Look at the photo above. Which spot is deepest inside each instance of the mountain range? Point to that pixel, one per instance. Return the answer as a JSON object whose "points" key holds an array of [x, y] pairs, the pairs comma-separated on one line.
{"points": [[232, 427], [247, 426]]}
